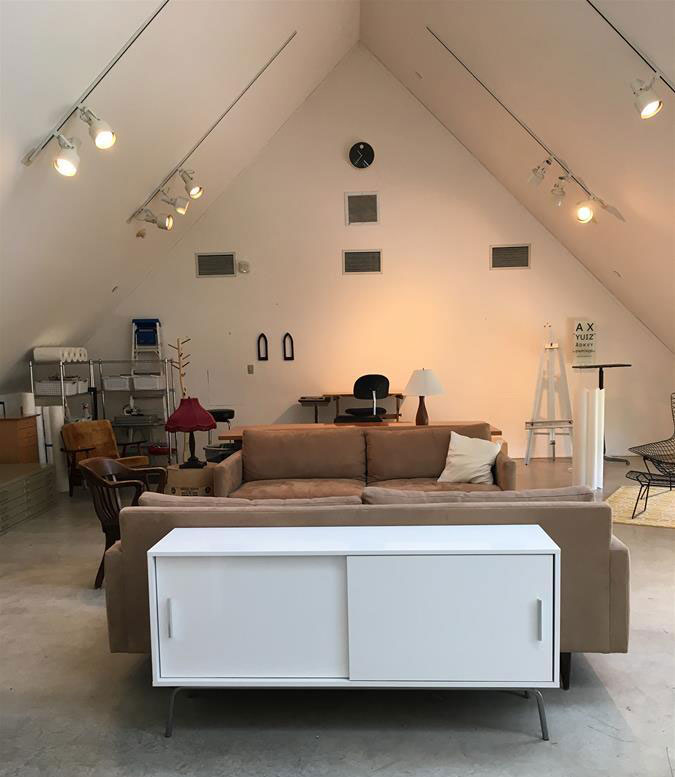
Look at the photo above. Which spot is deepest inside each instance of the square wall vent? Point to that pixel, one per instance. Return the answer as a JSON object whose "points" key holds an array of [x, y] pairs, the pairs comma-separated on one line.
{"points": [[362, 208], [355, 262], [216, 265], [508, 257]]}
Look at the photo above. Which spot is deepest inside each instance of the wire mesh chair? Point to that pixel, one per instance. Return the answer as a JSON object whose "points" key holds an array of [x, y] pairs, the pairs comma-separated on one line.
{"points": [[660, 454], [107, 480]]}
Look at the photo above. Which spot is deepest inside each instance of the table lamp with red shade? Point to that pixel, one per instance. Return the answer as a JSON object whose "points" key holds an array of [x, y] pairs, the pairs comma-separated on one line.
{"points": [[190, 417]]}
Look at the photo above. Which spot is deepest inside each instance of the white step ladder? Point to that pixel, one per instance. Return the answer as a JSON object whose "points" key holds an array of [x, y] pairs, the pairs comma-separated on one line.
{"points": [[552, 379]]}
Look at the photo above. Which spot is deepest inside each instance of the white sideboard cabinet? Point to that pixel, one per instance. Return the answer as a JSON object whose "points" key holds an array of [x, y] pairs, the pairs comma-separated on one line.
{"points": [[366, 607]]}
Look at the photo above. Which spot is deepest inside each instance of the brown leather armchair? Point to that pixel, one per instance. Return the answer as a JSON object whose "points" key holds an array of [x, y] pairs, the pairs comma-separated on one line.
{"points": [[88, 439]]}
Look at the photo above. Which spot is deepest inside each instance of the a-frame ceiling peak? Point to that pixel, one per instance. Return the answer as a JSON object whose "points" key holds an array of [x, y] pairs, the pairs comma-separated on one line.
{"points": [[561, 68]]}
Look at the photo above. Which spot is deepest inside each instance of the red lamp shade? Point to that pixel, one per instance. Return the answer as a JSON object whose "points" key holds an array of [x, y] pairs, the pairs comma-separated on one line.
{"points": [[190, 416]]}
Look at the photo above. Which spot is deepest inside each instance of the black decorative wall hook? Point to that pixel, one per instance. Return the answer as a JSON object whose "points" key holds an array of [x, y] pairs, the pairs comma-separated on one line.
{"points": [[263, 352], [288, 347]]}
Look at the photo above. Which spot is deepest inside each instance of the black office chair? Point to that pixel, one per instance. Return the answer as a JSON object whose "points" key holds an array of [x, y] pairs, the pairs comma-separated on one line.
{"points": [[371, 387], [217, 452]]}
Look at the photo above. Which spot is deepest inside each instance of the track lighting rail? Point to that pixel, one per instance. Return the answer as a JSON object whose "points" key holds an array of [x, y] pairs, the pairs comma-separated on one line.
{"points": [[178, 167], [550, 153], [657, 71], [79, 103]]}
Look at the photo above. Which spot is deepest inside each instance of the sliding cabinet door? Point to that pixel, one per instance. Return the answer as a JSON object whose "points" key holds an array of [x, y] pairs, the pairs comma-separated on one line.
{"points": [[251, 617], [466, 619]]}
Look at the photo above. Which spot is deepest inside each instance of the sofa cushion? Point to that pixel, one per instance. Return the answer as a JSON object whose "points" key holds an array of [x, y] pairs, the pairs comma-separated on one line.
{"points": [[284, 454], [153, 499], [388, 495], [567, 494], [469, 460], [431, 484], [413, 453], [398, 496], [299, 488]]}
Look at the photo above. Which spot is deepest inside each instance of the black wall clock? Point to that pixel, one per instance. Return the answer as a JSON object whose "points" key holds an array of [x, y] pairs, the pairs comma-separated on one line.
{"points": [[361, 154]]}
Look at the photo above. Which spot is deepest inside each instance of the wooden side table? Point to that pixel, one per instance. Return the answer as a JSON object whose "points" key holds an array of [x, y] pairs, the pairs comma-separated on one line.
{"points": [[314, 402]]}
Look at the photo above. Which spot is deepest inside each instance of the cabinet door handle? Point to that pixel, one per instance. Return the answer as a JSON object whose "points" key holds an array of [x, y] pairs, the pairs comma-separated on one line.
{"points": [[169, 619], [540, 620]]}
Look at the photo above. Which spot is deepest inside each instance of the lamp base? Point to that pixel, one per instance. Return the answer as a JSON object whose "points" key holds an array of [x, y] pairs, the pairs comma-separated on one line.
{"points": [[422, 417], [192, 463]]}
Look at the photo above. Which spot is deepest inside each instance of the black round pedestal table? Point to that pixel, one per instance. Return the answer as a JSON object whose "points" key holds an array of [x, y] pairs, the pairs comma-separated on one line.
{"points": [[601, 385]]}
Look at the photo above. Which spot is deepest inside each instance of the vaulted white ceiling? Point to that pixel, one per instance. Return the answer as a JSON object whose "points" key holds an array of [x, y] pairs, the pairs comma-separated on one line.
{"points": [[65, 242], [566, 74]]}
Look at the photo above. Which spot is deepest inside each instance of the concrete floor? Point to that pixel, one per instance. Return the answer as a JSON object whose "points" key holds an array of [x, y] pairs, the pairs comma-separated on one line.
{"points": [[68, 708]]}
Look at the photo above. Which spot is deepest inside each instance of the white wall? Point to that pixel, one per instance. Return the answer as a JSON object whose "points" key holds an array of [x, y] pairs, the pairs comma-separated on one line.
{"points": [[436, 304]]}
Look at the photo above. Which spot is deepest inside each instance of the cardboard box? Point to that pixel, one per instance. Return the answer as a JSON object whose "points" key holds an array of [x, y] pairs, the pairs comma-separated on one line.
{"points": [[189, 482]]}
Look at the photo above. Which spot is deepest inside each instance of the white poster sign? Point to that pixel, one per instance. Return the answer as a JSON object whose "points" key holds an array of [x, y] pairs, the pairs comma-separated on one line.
{"points": [[584, 339]]}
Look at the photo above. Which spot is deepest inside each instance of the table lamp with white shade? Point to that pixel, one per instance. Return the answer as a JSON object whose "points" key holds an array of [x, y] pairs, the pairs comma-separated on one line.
{"points": [[423, 383]]}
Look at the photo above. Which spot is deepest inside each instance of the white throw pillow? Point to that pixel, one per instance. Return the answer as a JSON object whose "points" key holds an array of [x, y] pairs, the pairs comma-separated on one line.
{"points": [[469, 460]]}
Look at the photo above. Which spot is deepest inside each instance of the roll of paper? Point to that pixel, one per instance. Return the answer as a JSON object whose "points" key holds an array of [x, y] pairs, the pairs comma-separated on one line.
{"points": [[59, 459], [580, 441], [46, 426], [60, 353], [40, 421], [599, 468], [27, 402], [48, 353], [591, 439]]}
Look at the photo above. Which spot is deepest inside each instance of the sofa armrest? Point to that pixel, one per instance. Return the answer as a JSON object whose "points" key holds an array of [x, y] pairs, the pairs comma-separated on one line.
{"points": [[619, 596], [114, 600], [228, 475], [505, 470]]}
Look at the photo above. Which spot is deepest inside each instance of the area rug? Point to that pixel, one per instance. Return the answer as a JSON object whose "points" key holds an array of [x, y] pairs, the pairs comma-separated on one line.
{"points": [[660, 508]]}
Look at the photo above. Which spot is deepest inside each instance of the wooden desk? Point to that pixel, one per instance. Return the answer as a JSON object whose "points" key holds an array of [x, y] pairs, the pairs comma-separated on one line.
{"points": [[236, 433], [336, 396], [399, 396]]}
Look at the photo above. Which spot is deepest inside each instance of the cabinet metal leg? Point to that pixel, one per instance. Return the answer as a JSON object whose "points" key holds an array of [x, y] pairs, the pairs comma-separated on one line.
{"points": [[521, 694], [169, 719], [565, 670], [542, 713]]}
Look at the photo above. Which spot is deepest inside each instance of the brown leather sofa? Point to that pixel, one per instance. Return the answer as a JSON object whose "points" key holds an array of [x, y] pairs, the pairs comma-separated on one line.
{"points": [[594, 573], [292, 464]]}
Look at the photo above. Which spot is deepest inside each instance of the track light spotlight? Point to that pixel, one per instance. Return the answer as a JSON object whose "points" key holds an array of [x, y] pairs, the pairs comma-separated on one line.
{"points": [[558, 192], [584, 212], [193, 189], [67, 159], [538, 172], [647, 102], [179, 203], [162, 220], [99, 131]]}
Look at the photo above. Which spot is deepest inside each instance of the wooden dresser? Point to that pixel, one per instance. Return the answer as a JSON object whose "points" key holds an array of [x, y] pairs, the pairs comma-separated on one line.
{"points": [[18, 440]]}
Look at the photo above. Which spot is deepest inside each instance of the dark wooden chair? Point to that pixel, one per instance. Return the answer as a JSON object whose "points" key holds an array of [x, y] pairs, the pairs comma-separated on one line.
{"points": [[107, 480]]}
